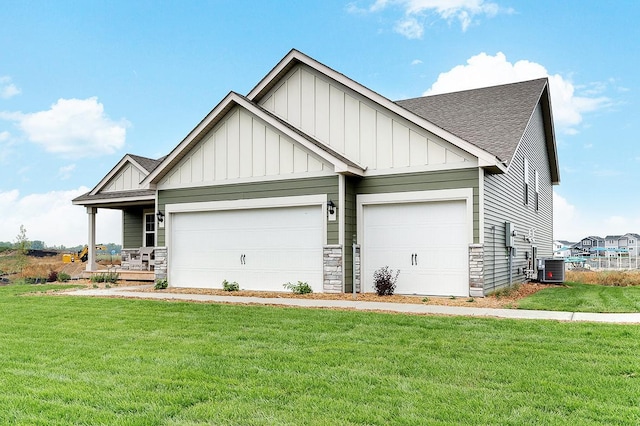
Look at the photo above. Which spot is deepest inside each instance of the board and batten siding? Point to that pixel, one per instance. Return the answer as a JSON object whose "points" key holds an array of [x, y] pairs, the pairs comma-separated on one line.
{"points": [[356, 127], [504, 201], [428, 181], [244, 191], [242, 147], [132, 227], [127, 178]]}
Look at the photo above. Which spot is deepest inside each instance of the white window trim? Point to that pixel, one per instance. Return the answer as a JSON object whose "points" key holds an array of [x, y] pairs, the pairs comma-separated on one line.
{"points": [[144, 227]]}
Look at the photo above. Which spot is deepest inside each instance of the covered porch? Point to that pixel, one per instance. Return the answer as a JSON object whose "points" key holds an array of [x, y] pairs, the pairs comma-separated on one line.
{"points": [[141, 258]]}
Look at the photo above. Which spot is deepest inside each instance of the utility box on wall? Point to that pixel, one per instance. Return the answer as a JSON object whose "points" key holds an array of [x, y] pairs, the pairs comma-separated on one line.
{"points": [[509, 232], [551, 271]]}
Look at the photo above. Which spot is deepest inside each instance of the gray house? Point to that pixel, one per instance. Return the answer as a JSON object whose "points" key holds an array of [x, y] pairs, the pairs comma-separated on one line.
{"points": [[314, 177]]}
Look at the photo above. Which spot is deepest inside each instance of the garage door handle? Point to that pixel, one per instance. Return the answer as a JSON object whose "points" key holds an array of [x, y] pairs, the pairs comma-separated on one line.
{"points": [[242, 259], [416, 255], [412, 259]]}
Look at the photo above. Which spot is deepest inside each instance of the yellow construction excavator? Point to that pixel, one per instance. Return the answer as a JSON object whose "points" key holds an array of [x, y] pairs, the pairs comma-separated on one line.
{"points": [[80, 256]]}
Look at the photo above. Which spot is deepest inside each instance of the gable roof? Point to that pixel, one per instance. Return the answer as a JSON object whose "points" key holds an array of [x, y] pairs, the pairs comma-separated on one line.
{"points": [[147, 163], [295, 57], [491, 118], [339, 161], [144, 164]]}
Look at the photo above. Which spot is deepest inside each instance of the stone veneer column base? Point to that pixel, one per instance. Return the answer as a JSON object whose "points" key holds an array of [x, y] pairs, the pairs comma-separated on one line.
{"points": [[476, 270], [357, 277], [160, 263], [332, 269]]}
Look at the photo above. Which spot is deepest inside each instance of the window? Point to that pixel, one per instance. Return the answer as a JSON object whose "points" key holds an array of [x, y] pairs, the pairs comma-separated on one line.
{"points": [[526, 181], [149, 230], [537, 191], [586, 242]]}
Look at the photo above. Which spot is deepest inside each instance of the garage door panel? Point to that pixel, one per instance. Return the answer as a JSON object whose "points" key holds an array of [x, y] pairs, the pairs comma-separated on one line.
{"points": [[259, 248], [435, 232]]}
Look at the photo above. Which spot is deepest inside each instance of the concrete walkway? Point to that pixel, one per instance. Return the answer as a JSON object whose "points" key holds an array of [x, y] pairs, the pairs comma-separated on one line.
{"points": [[130, 292]]}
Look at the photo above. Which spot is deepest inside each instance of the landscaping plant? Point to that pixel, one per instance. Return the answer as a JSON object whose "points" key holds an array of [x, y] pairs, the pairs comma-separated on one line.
{"points": [[384, 281], [227, 286], [161, 284], [299, 288], [105, 277]]}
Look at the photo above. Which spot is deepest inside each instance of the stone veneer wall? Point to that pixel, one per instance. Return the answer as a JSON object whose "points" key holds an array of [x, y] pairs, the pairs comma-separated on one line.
{"points": [[356, 270], [160, 263], [332, 269], [125, 256], [476, 270]]}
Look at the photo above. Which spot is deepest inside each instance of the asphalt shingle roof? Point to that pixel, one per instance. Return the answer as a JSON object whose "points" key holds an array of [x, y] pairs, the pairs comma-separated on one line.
{"points": [[492, 118], [148, 163]]}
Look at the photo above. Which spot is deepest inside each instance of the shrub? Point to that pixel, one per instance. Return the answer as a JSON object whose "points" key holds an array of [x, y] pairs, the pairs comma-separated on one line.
{"points": [[53, 277], [161, 284], [105, 277], [35, 280], [299, 288], [384, 281], [63, 277], [227, 286]]}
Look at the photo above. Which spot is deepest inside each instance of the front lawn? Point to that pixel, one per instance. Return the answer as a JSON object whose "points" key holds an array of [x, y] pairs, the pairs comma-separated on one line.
{"points": [[72, 360], [577, 297]]}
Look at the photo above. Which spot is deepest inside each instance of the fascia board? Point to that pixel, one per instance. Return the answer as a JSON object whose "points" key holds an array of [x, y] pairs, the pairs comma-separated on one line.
{"points": [[114, 200], [547, 120], [157, 173]]}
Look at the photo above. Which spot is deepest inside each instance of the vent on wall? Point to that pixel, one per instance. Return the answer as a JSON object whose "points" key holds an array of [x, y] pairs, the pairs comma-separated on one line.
{"points": [[551, 270]]}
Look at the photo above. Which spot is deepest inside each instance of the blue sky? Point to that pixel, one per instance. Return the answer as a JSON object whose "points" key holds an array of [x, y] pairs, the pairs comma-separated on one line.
{"points": [[83, 83]]}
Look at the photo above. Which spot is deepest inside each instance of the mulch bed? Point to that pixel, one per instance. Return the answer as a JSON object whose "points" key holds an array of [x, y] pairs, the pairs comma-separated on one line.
{"points": [[506, 299]]}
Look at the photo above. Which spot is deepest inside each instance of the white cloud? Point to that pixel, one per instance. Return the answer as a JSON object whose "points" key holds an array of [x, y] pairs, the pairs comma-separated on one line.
{"points": [[465, 12], [64, 172], [416, 62], [72, 128], [50, 217], [484, 70], [7, 88], [410, 28]]}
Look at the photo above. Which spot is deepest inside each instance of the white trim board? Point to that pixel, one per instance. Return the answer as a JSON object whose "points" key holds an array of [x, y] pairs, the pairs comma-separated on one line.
{"points": [[464, 194]]}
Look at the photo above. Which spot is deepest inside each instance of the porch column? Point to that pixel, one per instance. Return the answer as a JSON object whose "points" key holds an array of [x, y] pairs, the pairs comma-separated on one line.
{"points": [[91, 245]]}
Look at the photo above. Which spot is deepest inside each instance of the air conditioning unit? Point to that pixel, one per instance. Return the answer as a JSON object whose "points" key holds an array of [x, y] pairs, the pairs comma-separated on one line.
{"points": [[551, 270]]}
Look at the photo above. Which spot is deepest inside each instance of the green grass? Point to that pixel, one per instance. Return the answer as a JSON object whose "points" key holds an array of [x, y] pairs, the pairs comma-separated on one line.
{"points": [[576, 297], [91, 361]]}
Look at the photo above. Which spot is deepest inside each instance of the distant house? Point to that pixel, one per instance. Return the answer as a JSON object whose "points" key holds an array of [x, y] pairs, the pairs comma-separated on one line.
{"points": [[630, 242], [314, 177], [588, 246], [611, 244], [562, 248]]}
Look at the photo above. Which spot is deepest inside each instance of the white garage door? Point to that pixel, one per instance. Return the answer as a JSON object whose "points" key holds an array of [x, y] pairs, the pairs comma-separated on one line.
{"points": [[260, 249], [428, 242]]}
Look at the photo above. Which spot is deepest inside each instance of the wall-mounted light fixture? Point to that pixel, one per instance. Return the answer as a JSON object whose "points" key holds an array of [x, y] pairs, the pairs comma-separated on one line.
{"points": [[160, 216], [331, 207]]}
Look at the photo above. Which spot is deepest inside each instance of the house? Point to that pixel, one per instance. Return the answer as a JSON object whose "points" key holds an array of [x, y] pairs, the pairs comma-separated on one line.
{"points": [[630, 242], [591, 245], [314, 177], [562, 248]]}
